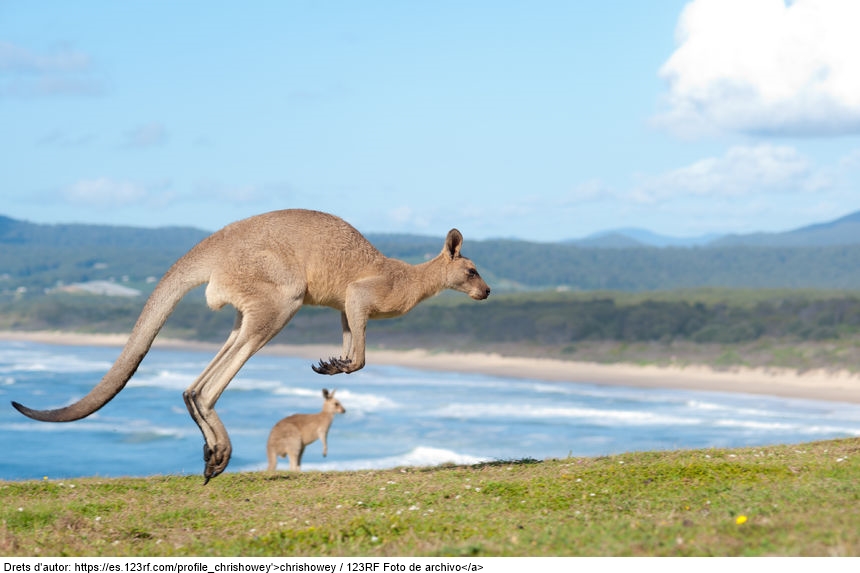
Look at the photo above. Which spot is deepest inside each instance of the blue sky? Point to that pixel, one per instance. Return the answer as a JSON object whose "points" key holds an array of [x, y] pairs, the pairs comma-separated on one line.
{"points": [[538, 120]]}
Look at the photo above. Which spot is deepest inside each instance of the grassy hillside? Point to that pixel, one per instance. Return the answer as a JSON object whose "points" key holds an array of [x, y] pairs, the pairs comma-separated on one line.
{"points": [[798, 500]]}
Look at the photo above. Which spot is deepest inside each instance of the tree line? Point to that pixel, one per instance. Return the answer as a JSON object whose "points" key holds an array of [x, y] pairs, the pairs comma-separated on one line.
{"points": [[450, 321]]}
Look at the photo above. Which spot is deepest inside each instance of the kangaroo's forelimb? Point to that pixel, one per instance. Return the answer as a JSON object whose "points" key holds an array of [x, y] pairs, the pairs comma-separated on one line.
{"points": [[332, 366]]}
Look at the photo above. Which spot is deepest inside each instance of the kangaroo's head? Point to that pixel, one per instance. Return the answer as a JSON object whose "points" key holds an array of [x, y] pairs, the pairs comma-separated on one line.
{"points": [[461, 272], [331, 404]]}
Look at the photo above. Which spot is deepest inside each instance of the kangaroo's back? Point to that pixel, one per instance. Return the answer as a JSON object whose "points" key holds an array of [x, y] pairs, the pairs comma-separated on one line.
{"points": [[312, 238]]}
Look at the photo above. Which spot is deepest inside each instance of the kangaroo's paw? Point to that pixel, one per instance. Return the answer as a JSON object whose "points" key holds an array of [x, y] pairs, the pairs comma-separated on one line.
{"points": [[333, 366], [216, 442], [216, 458]]}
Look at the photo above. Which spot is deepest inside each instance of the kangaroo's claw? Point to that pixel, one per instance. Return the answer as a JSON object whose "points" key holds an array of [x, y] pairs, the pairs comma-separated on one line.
{"points": [[216, 458], [333, 366]]}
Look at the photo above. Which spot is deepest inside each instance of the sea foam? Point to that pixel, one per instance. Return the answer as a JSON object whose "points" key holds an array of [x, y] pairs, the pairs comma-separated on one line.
{"points": [[420, 456]]}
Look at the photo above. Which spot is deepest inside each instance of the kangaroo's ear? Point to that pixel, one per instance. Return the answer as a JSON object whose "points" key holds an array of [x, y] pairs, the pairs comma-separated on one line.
{"points": [[325, 393], [453, 243]]}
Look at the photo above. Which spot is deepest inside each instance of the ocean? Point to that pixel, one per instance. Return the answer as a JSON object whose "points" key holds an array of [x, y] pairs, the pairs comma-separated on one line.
{"points": [[395, 416]]}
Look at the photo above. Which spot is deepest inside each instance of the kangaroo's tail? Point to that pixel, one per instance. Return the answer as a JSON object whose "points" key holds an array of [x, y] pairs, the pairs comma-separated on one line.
{"points": [[188, 272]]}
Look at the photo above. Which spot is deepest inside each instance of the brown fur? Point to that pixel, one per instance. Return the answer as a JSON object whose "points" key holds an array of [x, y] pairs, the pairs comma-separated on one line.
{"points": [[290, 436], [267, 267]]}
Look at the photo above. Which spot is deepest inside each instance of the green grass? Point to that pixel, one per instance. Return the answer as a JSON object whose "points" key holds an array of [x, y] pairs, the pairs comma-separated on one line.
{"points": [[796, 500]]}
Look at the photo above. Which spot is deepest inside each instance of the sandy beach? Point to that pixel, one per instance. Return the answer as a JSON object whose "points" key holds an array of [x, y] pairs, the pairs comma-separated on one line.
{"points": [[839, 386]]}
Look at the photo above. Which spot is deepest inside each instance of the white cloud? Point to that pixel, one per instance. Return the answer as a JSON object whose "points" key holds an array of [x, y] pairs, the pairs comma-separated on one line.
{"points": [[742, 171], [850, 160], [265, 195], [765, 66], [408, 220], [59, 138], [591, 190], [20, 60], [401, 215], [61, 71], [107, 193], [149, 135]]}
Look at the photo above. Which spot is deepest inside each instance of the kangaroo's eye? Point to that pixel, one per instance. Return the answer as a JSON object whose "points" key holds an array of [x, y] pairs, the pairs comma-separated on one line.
{"points": [[472, 273]]}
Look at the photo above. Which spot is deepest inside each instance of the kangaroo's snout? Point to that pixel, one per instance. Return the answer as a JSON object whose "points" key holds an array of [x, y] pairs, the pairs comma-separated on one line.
{"points": [[480, 294]]}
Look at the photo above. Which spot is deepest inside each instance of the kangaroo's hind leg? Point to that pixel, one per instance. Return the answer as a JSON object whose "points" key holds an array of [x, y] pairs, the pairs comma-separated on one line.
{"points": [[190, 394], [256, 324], [295, 455]]}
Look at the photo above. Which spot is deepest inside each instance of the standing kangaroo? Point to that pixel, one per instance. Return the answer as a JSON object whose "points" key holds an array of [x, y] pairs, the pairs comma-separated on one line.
{"points": [[290, 436], [267, 267]]}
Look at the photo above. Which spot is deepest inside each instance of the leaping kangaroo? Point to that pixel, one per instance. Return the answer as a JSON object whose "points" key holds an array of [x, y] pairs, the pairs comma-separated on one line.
{"points": [[267, 267]]}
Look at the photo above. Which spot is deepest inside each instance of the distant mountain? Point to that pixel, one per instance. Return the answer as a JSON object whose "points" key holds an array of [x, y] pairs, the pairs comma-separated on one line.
{"points": [[631, 237], [608, 240], [839, 232], [36, 258], [15, 232], [842, 231]]}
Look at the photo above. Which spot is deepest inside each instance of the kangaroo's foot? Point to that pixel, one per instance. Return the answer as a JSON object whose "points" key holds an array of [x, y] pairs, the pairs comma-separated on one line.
{"points": [[216, 458], [333, 366], [216, 447]]}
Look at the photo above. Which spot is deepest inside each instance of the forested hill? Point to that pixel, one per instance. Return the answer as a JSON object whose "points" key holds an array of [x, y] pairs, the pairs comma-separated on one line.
{"points": [[36, 257], [24, 234]]}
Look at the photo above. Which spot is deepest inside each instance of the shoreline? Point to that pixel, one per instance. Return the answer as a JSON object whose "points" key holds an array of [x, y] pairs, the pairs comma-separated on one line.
{"points": [[835, 386]]}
